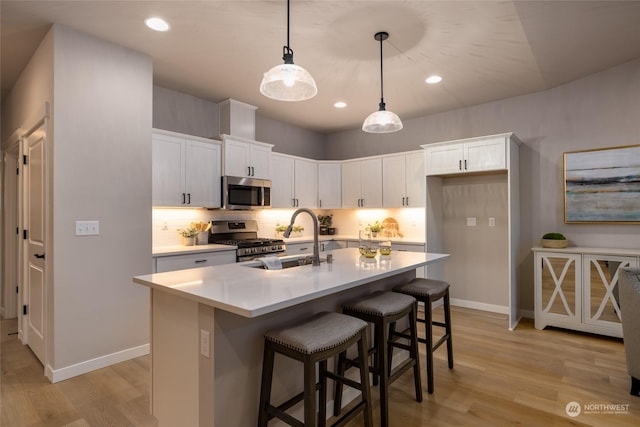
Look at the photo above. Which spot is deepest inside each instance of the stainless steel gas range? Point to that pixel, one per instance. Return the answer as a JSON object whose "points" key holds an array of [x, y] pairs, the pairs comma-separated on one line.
{"points": [[244, 235]]}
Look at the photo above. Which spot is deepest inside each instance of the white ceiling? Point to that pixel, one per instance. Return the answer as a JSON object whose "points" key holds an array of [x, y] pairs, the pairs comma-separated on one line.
{"points": [[484, 50]]}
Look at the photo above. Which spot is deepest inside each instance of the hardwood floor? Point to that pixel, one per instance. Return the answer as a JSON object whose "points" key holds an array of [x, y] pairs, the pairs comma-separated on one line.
{"points": [[525, 377]]}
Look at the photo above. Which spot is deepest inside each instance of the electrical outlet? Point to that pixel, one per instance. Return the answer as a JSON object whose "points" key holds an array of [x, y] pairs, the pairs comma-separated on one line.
{"points": [[471, 221], [165, 226], [87, 228], [204, 343], [492, 222]]}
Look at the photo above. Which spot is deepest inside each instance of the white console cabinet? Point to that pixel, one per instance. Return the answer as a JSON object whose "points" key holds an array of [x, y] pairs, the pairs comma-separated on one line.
{"points": [[577, 288]]}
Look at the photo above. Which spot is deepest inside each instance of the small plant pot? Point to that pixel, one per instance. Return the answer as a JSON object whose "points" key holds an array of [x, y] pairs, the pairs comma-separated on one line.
{"points": [[189, 241], [324, 230], [331, 231]]}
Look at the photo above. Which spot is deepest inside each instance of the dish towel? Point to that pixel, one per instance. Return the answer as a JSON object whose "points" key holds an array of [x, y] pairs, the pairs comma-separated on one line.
{"points": [[271, 263]]}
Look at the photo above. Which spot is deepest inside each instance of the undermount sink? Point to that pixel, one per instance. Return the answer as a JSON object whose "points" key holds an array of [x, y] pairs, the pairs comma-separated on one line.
{"points": [[287, 262]]}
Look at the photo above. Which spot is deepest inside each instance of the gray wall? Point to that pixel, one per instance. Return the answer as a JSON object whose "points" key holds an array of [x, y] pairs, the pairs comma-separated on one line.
{"points": [[179, 112], [601, 110], [99, 168]]}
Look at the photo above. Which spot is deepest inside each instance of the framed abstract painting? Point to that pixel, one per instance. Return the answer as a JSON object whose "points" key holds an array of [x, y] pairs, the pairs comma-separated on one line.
{"points": [[602, 186]]}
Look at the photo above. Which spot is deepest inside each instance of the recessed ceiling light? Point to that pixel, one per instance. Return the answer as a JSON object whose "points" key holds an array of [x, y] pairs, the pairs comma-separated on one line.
{"points": [[433, 79], [340, 104], [157, 24]]}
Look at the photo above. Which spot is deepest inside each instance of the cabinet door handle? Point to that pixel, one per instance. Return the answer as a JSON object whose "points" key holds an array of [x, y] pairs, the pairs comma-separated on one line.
{"points": [[188, 198], [39, 256], [253, 171], [460, 164], [304, 249], [184, 198], [407, 200], [248, 170], [465, 164], [200, 261], [319, 203], [403, 201]]}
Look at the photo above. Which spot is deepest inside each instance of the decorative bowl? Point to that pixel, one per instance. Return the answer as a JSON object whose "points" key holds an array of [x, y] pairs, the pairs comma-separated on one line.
{"points": [[553, 243], [370, 252]]}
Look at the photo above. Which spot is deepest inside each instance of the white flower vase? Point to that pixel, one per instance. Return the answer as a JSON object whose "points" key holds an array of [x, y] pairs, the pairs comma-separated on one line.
{"points": [[188, 241]]}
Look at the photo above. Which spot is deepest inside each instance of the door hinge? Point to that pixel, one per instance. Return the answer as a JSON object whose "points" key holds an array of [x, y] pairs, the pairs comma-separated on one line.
{"points": [[18, 231], [17, 171], [25, 160], [25, 234], [17, 290], [25, 309]]}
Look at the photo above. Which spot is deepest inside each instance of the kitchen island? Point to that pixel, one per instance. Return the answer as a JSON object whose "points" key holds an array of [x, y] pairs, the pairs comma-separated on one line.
{"points": [[207, 327]]}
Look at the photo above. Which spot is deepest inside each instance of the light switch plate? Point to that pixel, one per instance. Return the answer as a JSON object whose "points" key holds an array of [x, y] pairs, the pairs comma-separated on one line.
{"points": [[492, 222], [87, 228], [471, 221]]}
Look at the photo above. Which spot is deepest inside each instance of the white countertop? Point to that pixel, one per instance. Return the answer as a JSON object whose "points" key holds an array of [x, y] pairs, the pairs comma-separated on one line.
{"points": [[252, 292], [182, 250]]}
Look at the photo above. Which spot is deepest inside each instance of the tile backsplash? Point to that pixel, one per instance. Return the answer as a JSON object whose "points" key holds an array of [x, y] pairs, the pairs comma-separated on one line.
{"points": [[166, 222]]}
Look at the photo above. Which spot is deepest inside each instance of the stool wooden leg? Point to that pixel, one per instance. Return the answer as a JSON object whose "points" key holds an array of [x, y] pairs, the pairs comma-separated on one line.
{"points": [[310, 416], [322, 393], [413, 332], [428, 328], [265, 390], [382, 334], [447, 321], [363, 361], [337, 390]]}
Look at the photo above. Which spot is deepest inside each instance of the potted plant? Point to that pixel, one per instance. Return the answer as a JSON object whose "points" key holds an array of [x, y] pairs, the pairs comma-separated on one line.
{"points": [[188, 235], [325, 222], [554, 240], [374, 228]]}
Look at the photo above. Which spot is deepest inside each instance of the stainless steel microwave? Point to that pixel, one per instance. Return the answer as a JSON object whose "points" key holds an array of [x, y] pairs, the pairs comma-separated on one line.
{"points": [[245, 193]]}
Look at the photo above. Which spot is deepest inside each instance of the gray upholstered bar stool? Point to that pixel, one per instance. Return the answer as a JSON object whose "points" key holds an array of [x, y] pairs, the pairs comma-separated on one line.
{"points": [[429, 291], [383, 310], [314, 341]]}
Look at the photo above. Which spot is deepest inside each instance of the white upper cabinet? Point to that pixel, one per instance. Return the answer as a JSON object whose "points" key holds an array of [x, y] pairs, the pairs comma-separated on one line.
{"points": [[245, 158], [186, 170], [362, 183], [329, 185], [467, 155], [294, 182], [403, 180]]}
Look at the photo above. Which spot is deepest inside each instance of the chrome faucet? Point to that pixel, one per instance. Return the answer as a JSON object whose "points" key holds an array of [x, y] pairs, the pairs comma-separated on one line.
{"points": [[315, 259]]}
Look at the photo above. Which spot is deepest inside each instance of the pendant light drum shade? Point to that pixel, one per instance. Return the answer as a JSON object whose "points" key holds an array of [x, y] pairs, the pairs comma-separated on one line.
{"points": [[382, 121], [288, 82]]}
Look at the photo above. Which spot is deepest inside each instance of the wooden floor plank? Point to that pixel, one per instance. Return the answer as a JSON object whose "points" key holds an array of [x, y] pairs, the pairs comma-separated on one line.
{"points": [[524, 377]]}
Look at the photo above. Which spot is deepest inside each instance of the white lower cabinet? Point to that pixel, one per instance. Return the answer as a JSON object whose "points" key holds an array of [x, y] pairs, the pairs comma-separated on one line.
{"points": [[577, 288], [202, 259]]}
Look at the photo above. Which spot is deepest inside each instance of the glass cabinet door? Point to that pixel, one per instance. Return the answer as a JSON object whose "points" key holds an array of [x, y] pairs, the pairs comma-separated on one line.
{"points": [[601, 302], [559, 290]]}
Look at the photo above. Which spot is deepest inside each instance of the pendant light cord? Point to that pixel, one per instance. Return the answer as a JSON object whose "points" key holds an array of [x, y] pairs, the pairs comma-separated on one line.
{"points": [[287, 52], [381, 79]]}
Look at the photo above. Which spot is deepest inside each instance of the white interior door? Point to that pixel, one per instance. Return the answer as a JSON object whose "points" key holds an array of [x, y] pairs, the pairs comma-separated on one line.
{"points": [[34, 320]]}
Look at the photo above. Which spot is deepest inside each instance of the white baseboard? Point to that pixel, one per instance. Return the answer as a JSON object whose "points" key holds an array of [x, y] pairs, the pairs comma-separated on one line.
{"points": [[61, 374], [480, 306]]}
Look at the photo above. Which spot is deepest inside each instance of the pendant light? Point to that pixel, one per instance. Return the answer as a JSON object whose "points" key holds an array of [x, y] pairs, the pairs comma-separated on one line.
{"points": [[288, 82], [382, 121]]}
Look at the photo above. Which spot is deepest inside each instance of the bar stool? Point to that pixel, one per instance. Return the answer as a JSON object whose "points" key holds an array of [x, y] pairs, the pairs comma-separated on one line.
{"points": [[429, 291], [384, 309], [315, 340]]}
